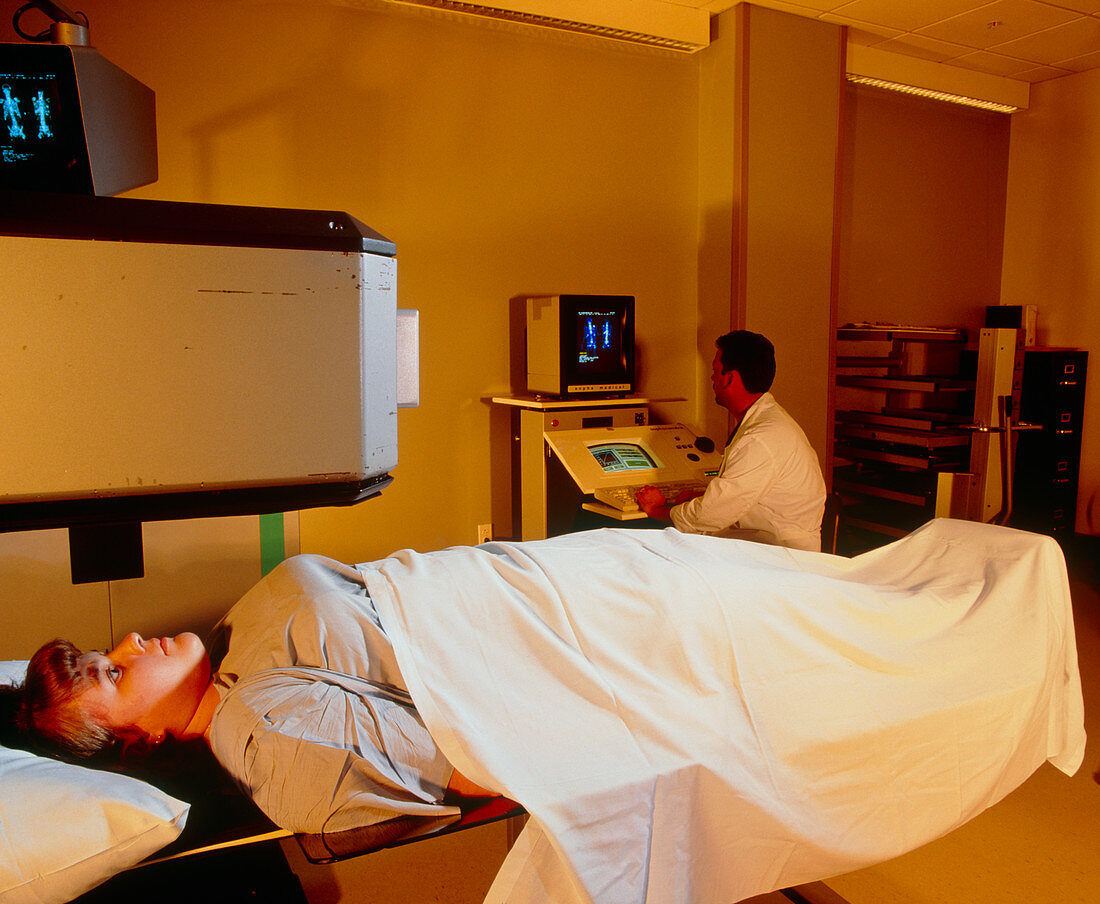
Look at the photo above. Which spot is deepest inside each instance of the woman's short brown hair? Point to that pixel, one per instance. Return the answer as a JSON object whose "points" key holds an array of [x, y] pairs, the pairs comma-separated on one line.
{"points": [[47, 711]]}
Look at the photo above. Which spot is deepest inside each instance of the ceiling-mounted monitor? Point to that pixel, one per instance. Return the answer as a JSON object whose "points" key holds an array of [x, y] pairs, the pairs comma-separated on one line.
{"points": [[72, 122]]}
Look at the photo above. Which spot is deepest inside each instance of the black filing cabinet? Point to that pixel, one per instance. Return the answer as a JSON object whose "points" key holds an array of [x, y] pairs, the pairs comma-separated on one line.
{"points": [[1048, 460]]}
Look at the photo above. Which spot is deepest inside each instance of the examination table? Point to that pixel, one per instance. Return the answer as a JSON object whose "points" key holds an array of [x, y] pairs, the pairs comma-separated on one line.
{"points": [[694, 720]]}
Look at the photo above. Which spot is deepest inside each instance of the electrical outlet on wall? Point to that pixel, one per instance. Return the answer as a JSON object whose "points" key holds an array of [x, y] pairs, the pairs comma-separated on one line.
{"points": [[484, 533]]}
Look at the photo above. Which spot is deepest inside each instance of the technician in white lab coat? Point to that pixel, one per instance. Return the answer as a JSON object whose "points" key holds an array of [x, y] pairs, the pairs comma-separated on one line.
{"points": [[770, 487]]}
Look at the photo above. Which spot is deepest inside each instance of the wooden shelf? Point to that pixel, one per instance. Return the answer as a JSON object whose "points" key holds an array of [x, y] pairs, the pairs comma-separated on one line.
{"points": [[860, 332], [887, 459], [940, 419], [908, 488], [906, 383], [922, 439], [866, 361], [902, 456], [908, 419]]}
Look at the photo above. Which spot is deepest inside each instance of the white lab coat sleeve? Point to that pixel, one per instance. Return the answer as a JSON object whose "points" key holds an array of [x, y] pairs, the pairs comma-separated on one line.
{"points": [[747, 471], [322, 751]]}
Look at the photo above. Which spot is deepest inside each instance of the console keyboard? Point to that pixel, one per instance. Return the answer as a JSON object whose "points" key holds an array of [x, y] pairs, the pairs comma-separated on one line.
{"points": [[622, 498]]}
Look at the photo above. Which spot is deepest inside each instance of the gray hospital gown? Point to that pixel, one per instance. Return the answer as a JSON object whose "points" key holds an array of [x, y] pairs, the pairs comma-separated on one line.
{"points": [[315, 722]]}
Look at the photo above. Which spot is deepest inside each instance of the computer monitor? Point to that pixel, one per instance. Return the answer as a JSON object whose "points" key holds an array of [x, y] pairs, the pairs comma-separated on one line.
{"points": [[73, 123], [580, 345]]}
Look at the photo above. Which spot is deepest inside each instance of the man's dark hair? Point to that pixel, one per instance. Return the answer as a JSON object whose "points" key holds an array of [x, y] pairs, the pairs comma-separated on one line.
{"points": [[751, 355]]}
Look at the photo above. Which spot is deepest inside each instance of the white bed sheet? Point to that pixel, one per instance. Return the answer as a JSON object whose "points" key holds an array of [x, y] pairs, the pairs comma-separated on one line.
{"points": [[694, 719]]}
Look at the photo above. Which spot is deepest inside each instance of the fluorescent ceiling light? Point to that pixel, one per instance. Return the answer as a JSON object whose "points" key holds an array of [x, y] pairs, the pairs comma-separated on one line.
{"points": [[655, 23], [871, 66], [932, 95]]}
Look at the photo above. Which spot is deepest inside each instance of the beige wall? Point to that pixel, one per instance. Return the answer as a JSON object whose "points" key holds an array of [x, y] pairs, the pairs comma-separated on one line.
{"points": [[720, 112], [1052, 232], [794, 72], [769, 94], [922, 217]]}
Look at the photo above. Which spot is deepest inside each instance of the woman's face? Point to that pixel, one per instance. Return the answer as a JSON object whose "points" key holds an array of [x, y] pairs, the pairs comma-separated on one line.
{"points": [[146, 688]]}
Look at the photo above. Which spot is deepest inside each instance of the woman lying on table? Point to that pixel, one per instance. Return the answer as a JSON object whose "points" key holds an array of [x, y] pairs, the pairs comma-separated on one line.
{"points": [[300, 699], [687, 719]]}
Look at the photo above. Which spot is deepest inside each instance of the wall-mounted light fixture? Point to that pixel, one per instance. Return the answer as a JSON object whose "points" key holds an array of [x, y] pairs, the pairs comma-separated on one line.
{"points": [[938, 81], [932, 95]]}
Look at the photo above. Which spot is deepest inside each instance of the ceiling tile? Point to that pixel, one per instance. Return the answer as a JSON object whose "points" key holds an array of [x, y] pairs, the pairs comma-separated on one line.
{"points": [[1079, 6], [1082, 63], [884, 31], [998, 23], [713, 6], [818, 6], [905, 14], [870, 35], [993, 63], [800, 7], [1041, 74], [923, 48], [1052, 46], [1044, 38], [786, 6]]}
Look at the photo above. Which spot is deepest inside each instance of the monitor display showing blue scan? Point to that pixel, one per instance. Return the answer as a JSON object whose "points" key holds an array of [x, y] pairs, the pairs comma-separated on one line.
{"points": [[613, 457], [599, 339], [580, 345], [42, 146]]}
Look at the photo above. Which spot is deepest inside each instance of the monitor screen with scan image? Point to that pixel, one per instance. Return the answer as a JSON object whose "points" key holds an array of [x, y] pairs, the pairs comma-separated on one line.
{"points": [[73, 123], [42, 145], [599, 339], [618, 457]]}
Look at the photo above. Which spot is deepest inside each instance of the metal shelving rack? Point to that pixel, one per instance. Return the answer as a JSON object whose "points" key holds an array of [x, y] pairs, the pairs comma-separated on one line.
{"points": [[903, 397]]}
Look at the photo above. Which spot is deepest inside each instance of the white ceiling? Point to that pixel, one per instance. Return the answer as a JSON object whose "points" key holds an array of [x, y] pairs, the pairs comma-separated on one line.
{"points": [[1029, 40]]}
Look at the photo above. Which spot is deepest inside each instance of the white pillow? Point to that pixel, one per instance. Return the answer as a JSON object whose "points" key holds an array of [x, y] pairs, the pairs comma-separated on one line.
{"points": [[65, 829]]}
